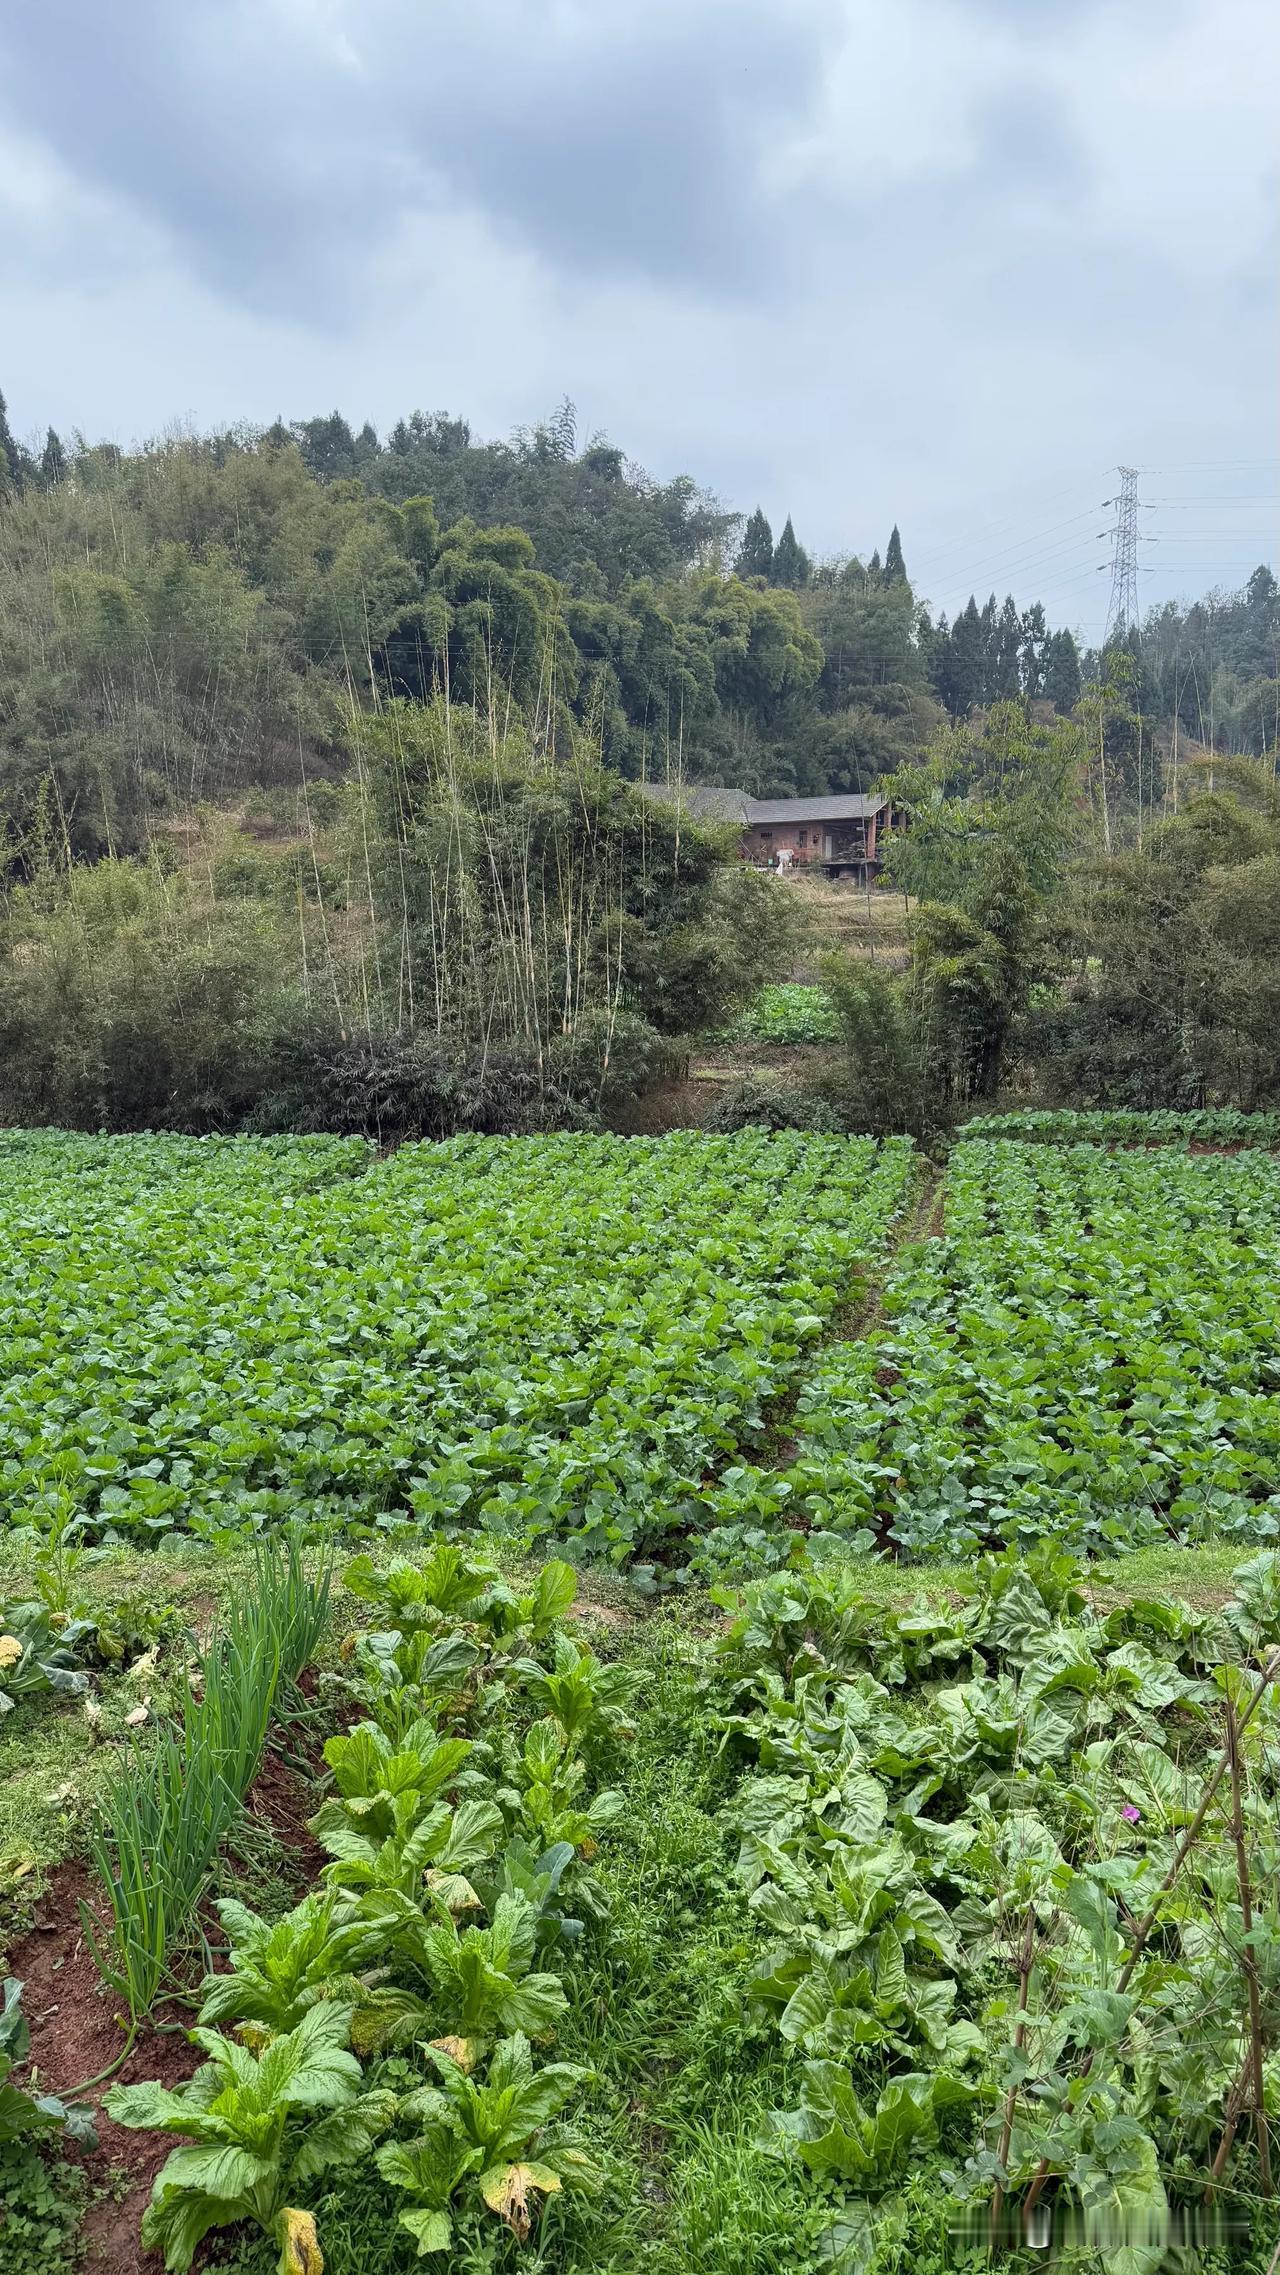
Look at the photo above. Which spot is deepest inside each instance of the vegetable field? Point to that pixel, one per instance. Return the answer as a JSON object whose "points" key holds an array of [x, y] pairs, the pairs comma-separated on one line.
{"points": [[836, 1935], [369, 1903], [1211, 1126], [1090, 1353], [563, 1336]]}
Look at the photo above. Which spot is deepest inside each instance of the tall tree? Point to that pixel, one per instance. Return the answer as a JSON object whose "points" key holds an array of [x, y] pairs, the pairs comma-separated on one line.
{"points": [[1062, 672], [791, 564], [53, 460], [985, 867], [894, 565], [755, 554], [328, 446], [10, 455], [963, 667], [1035, 640], [1004, 674]]}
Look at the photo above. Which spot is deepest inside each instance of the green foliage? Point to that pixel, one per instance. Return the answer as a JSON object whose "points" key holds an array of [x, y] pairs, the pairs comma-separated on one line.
{"points": [[755, 554], [126, 998], [1084, 1356], [37, 1657], [528, 930], [172, 1802], [603, 1323], [41, 2204], [766, 1102], [280, 1969], [839, 2140], [1056, 1125], [994, 653], [545, 1800], [888, 1080], [375, 1957], [1167, 960], [483, 1979], [789, 1013], [1035, 1818], [490, 2136], [587, 1701], [991, 818], [261, 2129]]}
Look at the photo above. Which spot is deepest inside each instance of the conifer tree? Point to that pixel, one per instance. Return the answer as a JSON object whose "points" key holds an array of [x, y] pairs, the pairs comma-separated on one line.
{"points": [[895, 567], [1062, 672], [755, 554], [791, 564], [53, 460], [10, 455]]}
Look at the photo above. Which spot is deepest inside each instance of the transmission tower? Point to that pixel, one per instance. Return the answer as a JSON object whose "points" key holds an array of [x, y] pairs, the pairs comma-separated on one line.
{"points": [[1122, 609]]}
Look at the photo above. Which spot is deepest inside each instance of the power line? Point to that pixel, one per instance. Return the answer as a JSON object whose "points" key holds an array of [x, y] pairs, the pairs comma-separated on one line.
{"points": [[934, 562]]}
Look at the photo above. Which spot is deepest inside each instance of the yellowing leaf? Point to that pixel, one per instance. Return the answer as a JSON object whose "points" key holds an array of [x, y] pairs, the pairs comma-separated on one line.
{"points": [[506, 2191], [460, 2050], [454, 1890], [300, 2252]]}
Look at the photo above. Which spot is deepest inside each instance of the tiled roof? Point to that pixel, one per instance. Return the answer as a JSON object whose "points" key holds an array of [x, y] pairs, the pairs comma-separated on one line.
{"points": [[707, 802], [836, 809]]}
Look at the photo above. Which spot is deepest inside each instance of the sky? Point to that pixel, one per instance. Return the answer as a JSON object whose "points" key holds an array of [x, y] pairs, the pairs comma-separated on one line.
{"points": [[938, 262]]}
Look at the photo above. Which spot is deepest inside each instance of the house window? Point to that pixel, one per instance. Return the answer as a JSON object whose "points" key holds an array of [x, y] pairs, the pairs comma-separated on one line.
{"points": [[766, 833], [804, 837]]}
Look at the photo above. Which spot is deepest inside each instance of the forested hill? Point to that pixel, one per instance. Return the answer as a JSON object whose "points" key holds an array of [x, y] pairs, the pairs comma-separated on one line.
{"points": [[178, 622]]}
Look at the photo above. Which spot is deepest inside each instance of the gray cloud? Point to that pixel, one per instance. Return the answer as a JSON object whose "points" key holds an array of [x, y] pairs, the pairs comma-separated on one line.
{"points": [[276, 146], [935, 261]]}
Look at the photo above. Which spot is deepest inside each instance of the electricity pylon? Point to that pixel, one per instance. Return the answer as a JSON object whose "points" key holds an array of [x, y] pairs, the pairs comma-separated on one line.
{"points": [[1122, 609]]}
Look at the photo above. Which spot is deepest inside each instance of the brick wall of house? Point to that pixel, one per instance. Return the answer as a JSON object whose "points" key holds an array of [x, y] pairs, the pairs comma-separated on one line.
{"points": [[804, 842]]}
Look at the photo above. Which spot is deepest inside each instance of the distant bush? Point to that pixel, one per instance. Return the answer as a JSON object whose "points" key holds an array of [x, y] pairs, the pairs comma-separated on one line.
{"points": [[759, 1102], [789, 1013], [130, 1000]]}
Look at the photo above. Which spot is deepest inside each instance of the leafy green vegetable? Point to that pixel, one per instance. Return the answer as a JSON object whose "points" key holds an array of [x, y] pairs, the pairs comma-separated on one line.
{"points": [[586, 1700], [560, 1336], [35, 1656], [488, 2134], [261, 2128]]}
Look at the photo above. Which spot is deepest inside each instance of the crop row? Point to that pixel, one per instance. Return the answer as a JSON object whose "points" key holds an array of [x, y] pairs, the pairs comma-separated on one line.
{"points": [[1211, 1125], [1088, 1352], [563, 1336], [401, 2013]]}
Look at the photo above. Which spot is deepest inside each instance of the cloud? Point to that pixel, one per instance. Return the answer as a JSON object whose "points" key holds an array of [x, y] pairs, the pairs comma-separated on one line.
{"points": [[275, 139], [935, 261]]}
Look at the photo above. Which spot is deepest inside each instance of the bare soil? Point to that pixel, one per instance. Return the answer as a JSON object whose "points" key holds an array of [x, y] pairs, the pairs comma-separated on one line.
{"points": [[77, 2031]]}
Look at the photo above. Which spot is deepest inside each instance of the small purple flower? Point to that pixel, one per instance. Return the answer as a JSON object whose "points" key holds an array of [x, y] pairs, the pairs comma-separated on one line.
{"points": [[1130, 1814]]}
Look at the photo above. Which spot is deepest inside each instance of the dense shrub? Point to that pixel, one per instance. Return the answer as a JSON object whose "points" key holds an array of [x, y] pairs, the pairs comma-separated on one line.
{"points": [[410, 1084], [759, 1101], [130, 1000]]}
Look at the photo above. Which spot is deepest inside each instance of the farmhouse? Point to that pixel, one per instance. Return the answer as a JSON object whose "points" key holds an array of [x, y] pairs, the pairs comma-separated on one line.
{"points": [[842, 835]]}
